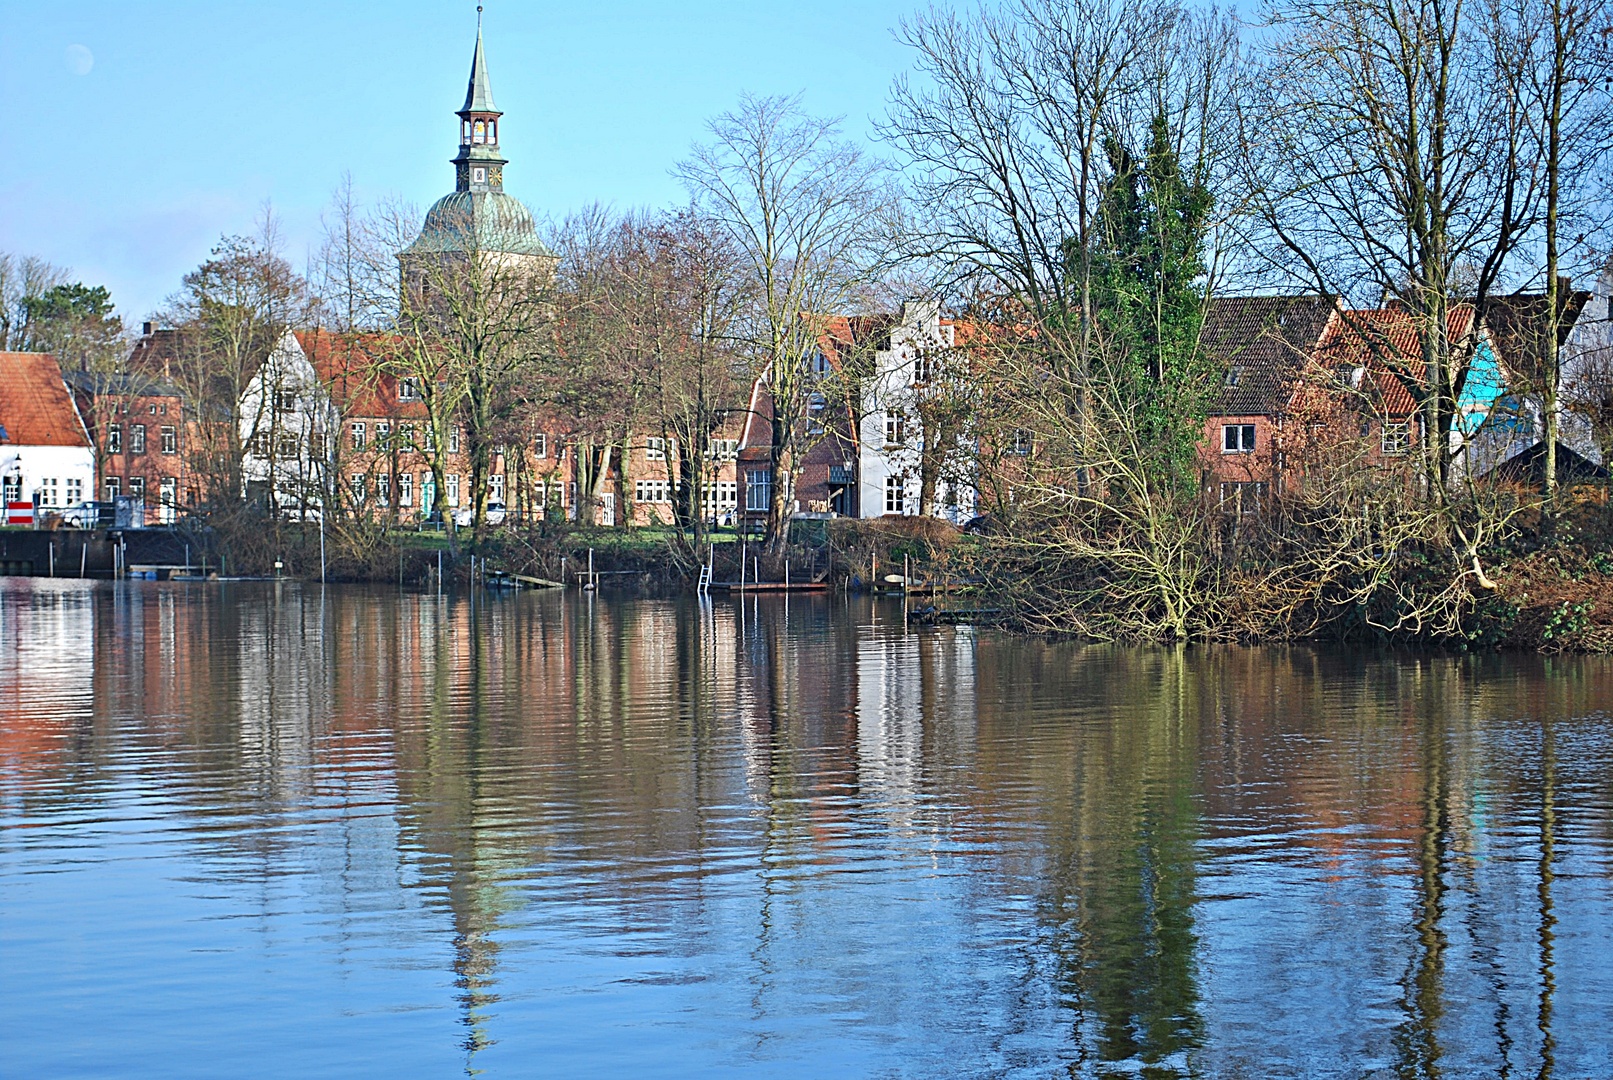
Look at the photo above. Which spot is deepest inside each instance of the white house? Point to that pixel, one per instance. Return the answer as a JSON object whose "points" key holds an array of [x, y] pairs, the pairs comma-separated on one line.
{"points": [[891, 434], [46, 458], [285, 416]]}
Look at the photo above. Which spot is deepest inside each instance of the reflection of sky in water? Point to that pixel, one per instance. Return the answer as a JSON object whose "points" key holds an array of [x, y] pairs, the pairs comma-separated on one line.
{"points": [[252, 832]]}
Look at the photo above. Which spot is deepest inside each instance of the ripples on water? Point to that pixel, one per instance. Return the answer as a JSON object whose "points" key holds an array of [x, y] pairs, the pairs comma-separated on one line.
{"points": [[286, 831]]}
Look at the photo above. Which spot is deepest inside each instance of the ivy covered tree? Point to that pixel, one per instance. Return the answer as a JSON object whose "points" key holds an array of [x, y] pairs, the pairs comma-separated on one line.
{"points": [[1148, 294]]}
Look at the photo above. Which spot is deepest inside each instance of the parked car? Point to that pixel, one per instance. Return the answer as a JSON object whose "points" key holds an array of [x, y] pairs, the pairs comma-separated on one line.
{"points": [[87, 515], [494, 515]]}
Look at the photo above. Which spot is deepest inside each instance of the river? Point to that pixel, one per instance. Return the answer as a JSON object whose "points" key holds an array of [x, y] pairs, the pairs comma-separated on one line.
{"points": [[279, 830]]}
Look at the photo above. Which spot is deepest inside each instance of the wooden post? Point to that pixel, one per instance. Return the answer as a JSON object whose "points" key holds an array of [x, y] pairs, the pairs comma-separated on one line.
{"points": [[83, 554], [907, 573]]}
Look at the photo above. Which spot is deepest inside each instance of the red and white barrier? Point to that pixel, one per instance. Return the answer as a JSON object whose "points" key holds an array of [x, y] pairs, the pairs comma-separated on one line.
{"points": [[20, 513]]}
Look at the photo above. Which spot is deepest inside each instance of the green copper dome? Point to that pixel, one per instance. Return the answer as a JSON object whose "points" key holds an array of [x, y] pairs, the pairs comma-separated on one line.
{"points": [[490, 221]]}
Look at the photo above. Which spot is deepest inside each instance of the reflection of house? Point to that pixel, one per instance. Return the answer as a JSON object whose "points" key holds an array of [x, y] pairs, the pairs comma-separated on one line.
{"points": [[46, 457]]}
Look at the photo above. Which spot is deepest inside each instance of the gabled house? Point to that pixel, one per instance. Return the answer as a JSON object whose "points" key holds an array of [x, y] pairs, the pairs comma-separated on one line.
{"points": [[1264, 346], [1515, 426], [143, 432], [46, 457]]}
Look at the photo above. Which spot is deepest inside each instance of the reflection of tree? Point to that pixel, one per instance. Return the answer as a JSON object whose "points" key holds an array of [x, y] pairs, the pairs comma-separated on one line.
{"points": [[1120, 896], [1416, 1038]]}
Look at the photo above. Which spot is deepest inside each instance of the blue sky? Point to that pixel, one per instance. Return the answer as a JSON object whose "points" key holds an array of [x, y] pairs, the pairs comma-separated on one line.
{"points": [[190, 116]]}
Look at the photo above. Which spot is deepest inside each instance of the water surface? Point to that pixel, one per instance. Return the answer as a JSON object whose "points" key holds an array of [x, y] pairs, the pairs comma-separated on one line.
{"points": [[290, 831]]}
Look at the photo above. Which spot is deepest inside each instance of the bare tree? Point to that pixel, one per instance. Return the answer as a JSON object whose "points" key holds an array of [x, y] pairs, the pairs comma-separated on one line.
{"points": [[1552, 57], [809, 212]]}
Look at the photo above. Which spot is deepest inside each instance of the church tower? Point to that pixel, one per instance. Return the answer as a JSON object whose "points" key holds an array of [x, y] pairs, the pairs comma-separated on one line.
{"points": [[477, 220], [478, 167]]}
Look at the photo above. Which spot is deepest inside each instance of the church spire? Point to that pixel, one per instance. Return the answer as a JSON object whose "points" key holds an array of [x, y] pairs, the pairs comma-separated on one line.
{"points": [[479, 94], [478, 166]]}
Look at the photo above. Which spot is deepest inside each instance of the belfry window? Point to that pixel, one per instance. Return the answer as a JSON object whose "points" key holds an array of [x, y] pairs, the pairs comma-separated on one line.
{"points": [[481, 133], [464, 131], [492, 131]]}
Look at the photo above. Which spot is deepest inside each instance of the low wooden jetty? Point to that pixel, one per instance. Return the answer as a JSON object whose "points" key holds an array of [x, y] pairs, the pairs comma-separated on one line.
{"points": [[503, 579], [769, 586], [932, 615]]}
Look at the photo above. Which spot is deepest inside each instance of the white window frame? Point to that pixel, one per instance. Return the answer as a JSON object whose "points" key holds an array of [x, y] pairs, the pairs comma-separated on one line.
{"points": [[1237, 438], [1396, 438], [896, 494]]}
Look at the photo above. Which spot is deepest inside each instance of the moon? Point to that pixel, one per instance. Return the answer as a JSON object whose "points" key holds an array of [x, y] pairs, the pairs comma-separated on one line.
{"points": [[79, 59]]}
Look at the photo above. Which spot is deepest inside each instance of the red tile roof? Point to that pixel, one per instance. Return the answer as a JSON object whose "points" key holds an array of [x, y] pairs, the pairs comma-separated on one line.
{"points": [[35, 407], [347, 365], [1383, 341]]}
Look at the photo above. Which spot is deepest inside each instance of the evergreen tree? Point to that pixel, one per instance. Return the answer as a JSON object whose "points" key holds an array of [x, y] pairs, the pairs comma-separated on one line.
{"points": [[1148, 295]]}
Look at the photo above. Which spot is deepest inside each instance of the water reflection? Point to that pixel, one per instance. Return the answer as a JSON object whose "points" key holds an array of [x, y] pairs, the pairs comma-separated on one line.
{"points": [[368, 830]]}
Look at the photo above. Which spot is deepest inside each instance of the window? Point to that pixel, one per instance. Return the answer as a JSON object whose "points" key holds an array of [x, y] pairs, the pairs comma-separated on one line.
{"points": [[382, 430], [318, 447], [820, 366], [479, 133], [1237, 438], [495, 488], [408, 388], [137, 438], [383, 488], [651, 491], [1234, 375], [1396, 437], [540, 446], [13, 488], [1020, 442], [924, 368], [358, 435], [654, 449], [453, 440], [49, 491], [75, 491], [896, 494], [284, 401], [114, 487], [464, 131], [719, 498], [724, 449], [167, 491], [114, 438], [758, 489], [170, 440], [137, 488], [356, 481], [405, 489], [452, 480], [1242, 496], [895, 428], [286, 448]]}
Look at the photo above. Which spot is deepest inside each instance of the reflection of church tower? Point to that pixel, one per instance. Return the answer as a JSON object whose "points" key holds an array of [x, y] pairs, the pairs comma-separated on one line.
{"points": [[477, 219]]}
